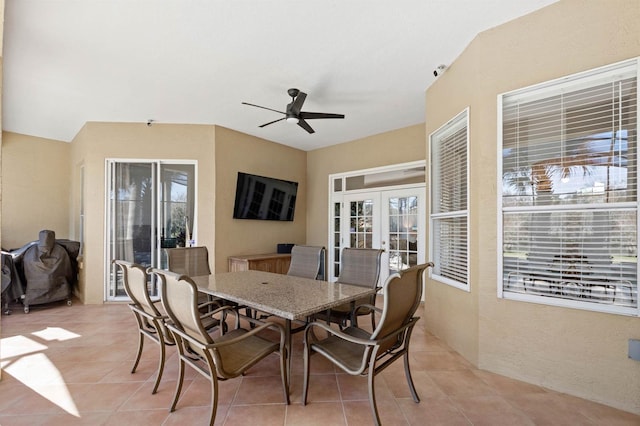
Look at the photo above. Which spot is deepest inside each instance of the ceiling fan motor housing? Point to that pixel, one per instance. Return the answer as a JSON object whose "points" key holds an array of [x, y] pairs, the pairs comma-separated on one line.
{"points": [[294, 113], [293, 92]]}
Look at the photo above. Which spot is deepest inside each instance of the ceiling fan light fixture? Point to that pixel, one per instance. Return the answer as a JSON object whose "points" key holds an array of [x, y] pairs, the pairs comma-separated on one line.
{"points": [[293, 120]]}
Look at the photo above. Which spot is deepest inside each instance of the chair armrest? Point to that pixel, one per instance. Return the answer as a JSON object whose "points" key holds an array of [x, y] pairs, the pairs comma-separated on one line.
{"points": [[368, 306], [220, 309], [233, 341], [224, 309], [412, 322], [253, 331], [338, 333], [357, 340]]}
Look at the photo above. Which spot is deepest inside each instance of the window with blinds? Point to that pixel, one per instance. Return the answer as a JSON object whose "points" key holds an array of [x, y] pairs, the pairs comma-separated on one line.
{"points": [[449, 192], [569, 191]]}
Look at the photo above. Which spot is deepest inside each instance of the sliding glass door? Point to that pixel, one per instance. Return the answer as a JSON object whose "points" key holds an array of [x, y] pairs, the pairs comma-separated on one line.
{"points": [[150, 206]]}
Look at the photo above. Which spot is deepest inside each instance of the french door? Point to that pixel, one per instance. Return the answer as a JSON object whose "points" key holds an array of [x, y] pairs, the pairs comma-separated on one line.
{"points": [[403, 229], [392, 220], [150, 206]]}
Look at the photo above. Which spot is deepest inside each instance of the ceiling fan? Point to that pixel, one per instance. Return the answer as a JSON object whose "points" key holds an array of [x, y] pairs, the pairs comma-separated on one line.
{"points": [[293, 112]]}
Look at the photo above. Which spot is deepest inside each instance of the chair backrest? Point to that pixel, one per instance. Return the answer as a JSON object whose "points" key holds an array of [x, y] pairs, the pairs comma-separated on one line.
{"points": [[306, 261], [134, 279], [191, 261], [360, 266], [402, 293], [179, 298]]}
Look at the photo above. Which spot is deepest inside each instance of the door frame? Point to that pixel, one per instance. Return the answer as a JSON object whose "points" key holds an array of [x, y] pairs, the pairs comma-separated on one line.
{"points": [[340, 189], [156, 215]]}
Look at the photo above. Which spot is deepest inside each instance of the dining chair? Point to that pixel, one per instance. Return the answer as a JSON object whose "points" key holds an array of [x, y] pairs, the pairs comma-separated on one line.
{"points": [[225, 357], [151, 322], [193, 261], [307, 261], [361, 267], [361, 353]]}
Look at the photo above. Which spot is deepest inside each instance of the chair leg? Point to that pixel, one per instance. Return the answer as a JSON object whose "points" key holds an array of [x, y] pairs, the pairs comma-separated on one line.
{"points": [[284, 374], [214, 395], [139, 354], [305, 384], [180, 379], [160, 366], [372, 396], [407, 372], [354, 321]]}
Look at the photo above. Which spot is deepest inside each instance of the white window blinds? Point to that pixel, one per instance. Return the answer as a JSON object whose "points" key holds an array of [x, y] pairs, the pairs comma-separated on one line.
{"points": [[569, 190], [449, 193]]}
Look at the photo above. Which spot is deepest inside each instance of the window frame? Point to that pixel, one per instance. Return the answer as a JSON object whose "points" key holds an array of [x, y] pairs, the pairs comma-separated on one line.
{"points": [[587, 79], [457, 123]]}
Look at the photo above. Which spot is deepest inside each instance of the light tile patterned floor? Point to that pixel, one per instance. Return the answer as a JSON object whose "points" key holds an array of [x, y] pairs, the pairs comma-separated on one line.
{"points": [[71, 366]]}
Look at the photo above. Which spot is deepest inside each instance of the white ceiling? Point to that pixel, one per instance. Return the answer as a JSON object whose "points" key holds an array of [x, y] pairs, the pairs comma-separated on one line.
{"points": [[67, 62]]}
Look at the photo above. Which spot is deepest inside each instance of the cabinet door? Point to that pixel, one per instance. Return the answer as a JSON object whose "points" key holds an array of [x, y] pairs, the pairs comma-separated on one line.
{"points": [[266, 265], [283, 265], [236, 264], [278, 264]]}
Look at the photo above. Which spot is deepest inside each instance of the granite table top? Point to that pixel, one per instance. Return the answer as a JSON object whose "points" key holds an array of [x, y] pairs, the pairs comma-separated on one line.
{"points": [[286, 296]]}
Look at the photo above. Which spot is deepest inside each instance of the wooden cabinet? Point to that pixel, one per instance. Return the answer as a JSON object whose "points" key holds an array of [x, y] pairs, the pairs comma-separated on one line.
{"points": [[273, 262]]}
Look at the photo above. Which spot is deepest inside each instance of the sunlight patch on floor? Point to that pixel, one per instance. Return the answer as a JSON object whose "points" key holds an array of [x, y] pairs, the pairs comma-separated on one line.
{"points": [[25, 360], [56, 333], [31, 369], [18, 346]]}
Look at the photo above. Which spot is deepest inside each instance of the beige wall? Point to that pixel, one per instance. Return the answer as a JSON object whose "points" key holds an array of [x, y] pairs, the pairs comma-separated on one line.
{"points": [[97, 141], [394, 147], [36, 188], [578, 352], [238, 152]]}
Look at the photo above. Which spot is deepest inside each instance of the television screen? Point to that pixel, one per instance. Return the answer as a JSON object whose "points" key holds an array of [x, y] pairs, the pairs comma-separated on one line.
{"points": [[264, 198]]}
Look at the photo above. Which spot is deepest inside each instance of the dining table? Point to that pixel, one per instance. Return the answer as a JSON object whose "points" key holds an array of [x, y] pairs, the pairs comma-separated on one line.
{"points": [[286, 296]]}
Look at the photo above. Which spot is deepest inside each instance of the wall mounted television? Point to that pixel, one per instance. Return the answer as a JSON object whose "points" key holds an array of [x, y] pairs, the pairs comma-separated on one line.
{"points": [[264, 198]]}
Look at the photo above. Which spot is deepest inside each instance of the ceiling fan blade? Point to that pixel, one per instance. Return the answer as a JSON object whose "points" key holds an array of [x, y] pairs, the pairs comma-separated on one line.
{"points": [[305, 126], [274, 121], [258, 106], [296, 105], [311, 115]]}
